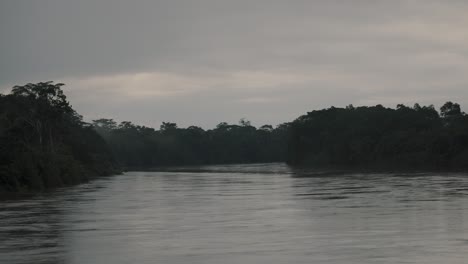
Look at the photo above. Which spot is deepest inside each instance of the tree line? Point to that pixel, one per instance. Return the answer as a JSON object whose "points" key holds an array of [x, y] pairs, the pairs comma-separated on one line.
{"points": [[137, 147], [376, 137], [45, 143]]}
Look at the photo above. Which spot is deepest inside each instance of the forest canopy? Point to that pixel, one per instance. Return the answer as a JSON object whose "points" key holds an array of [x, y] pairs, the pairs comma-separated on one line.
{"points": [[45, 143], [137, 147], [376, 137]]}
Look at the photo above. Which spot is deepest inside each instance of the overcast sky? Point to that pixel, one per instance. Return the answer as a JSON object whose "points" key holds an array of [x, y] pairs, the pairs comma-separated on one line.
{"points": [[206, 61]]}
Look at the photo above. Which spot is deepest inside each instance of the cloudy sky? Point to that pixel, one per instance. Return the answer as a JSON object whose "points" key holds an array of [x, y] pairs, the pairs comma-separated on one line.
{"points": [[206, 61]]}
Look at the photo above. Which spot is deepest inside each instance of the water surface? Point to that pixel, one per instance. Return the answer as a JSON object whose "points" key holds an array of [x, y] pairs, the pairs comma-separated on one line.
{"points": [[264, 213]]}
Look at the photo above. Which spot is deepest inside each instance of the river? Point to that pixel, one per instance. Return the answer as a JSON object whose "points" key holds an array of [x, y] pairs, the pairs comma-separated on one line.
{"points": [[261, 213]]}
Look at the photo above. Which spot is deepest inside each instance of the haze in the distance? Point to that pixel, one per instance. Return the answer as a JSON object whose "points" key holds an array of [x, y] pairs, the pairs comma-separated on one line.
{"points": [[206, 61]]}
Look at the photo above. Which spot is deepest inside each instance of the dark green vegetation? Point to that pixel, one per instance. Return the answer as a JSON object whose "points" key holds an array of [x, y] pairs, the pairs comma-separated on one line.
{"points": [[137, 147], [382, 138], [44, 143]]}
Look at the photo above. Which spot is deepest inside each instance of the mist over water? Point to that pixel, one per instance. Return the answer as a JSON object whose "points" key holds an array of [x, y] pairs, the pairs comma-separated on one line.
{"points": [[262, 213]]}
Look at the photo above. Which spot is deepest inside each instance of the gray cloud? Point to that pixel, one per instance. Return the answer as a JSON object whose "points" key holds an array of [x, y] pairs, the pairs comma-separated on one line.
{"points": [[206, 61]]}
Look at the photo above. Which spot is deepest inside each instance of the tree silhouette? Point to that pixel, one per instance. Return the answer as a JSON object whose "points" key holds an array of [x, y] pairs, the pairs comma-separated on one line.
{"points": [[44, 143], [450, 109]]}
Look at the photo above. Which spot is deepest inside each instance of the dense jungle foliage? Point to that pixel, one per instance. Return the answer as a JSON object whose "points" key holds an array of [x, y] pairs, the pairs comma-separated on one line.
{"points": [[44, 143], [143, 147], [382, 138]]}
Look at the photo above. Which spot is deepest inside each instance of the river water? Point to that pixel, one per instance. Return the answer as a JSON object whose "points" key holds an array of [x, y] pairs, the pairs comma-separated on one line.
{"points": [[263, 213]]}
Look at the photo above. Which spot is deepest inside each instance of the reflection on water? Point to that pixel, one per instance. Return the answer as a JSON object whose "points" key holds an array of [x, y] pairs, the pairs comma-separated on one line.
{"points": [[242, 214]]}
